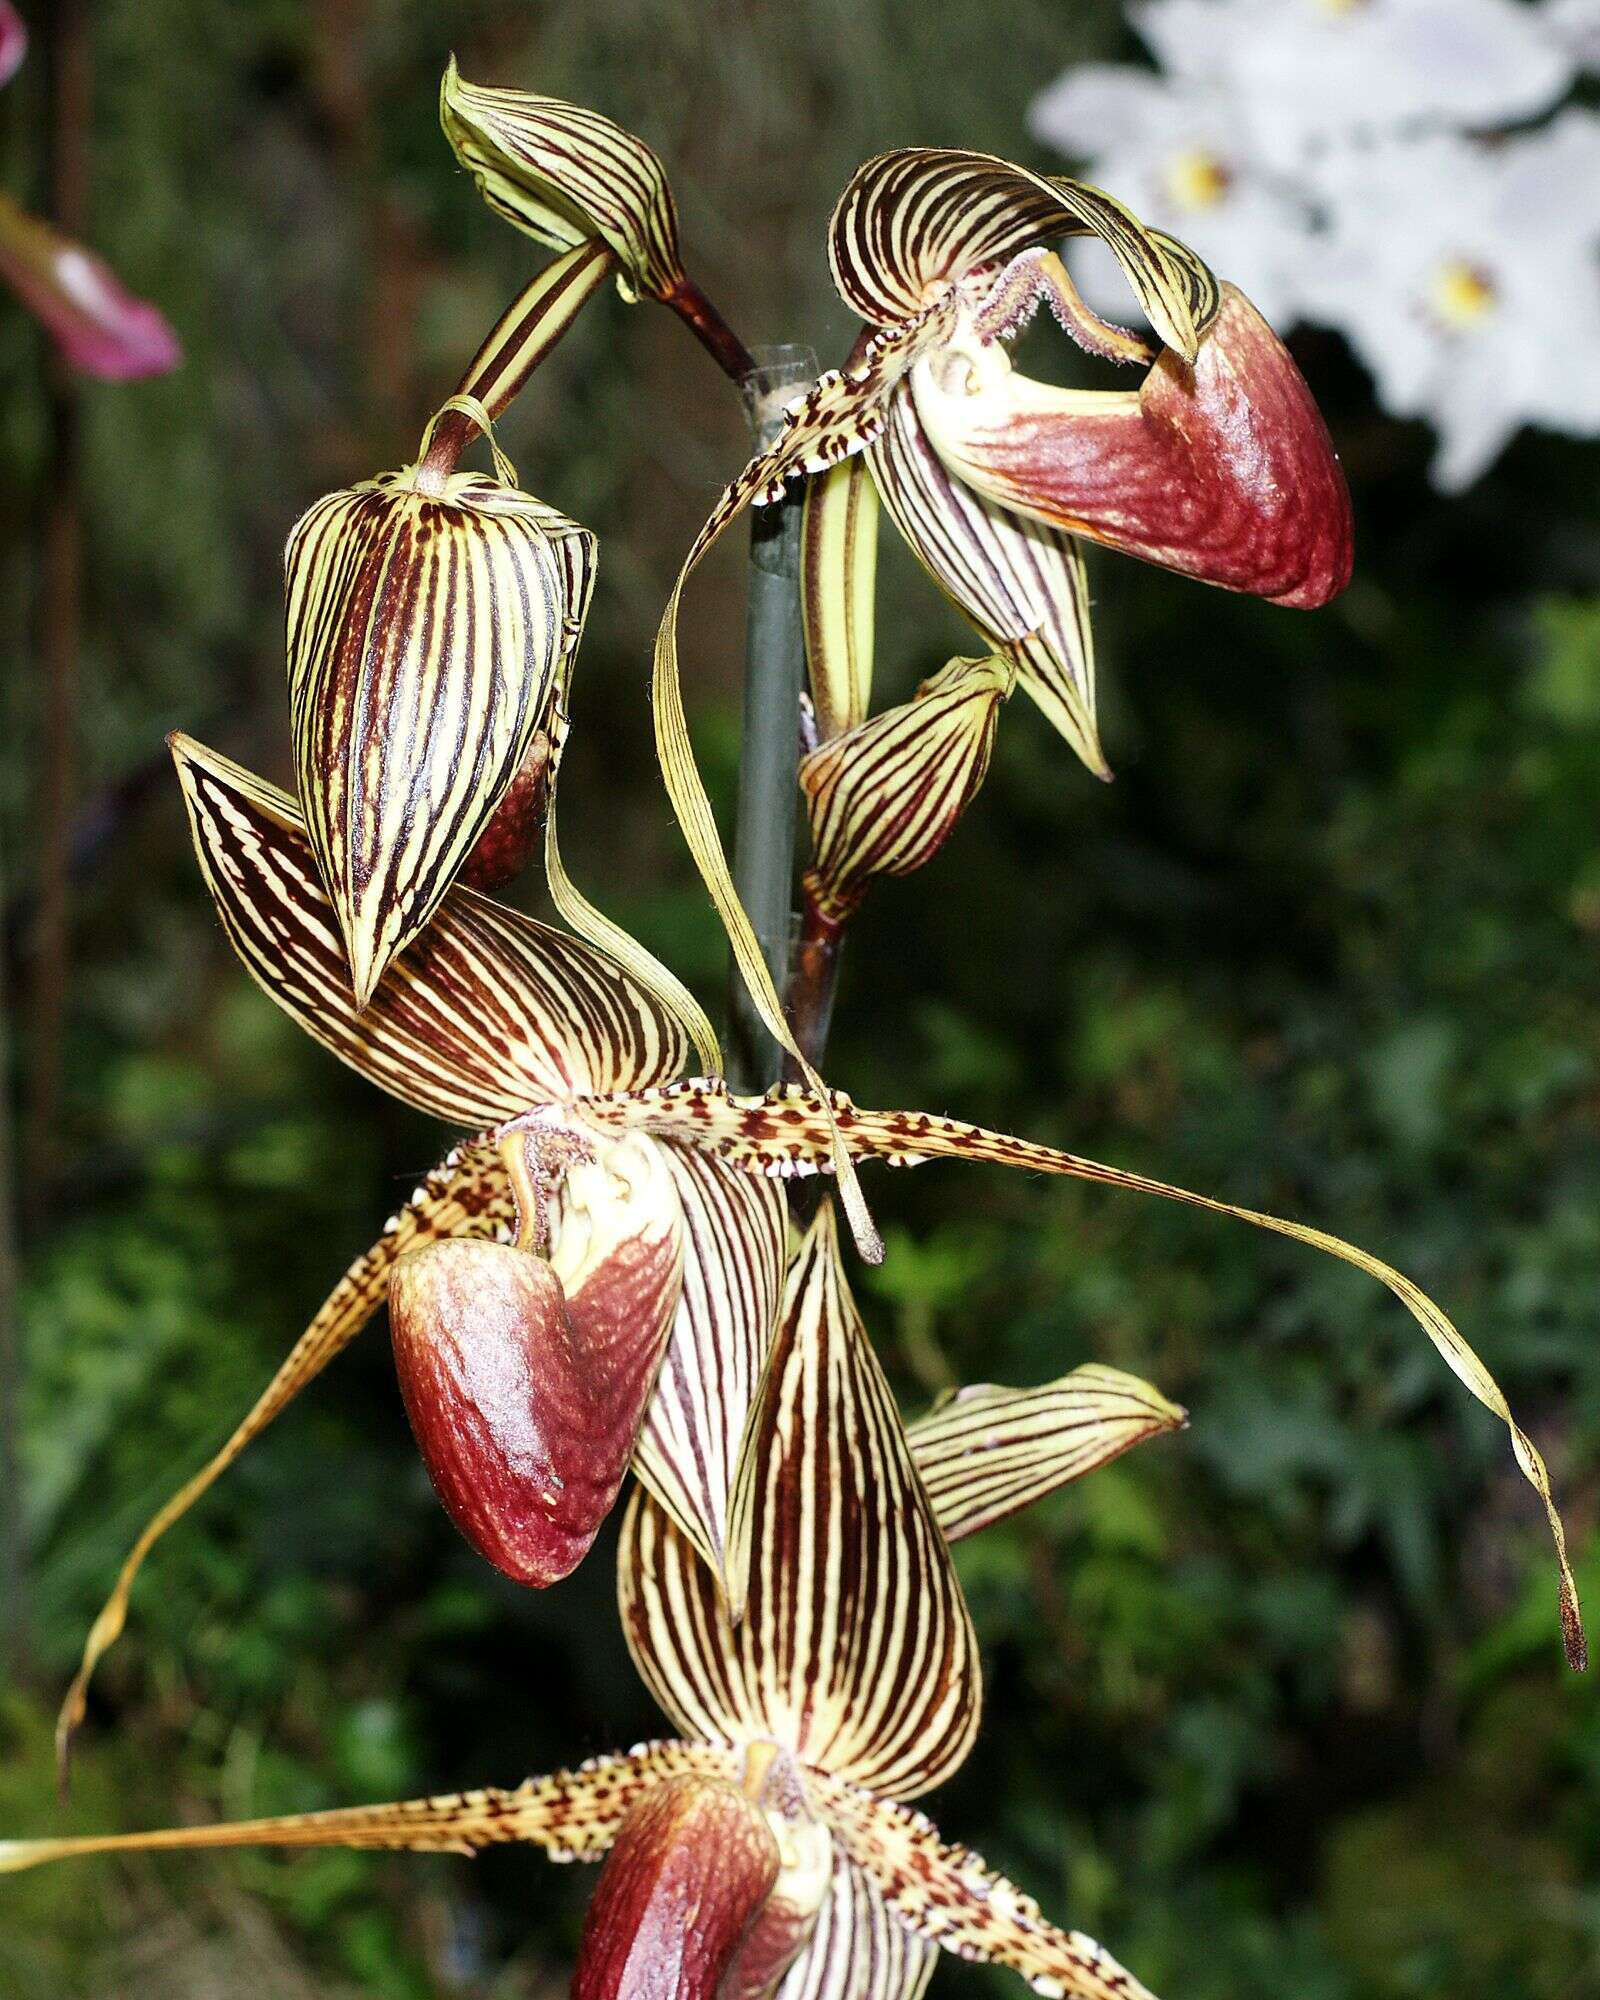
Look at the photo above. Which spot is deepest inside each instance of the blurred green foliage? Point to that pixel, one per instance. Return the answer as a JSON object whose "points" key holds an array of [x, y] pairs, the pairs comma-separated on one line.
{"points": [[1277, 1708]]}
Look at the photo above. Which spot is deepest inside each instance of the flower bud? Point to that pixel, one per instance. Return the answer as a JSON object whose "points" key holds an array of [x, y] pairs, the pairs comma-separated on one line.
{"points": [[563, 173], [427, 618], [885, 797], [526, 1380]]}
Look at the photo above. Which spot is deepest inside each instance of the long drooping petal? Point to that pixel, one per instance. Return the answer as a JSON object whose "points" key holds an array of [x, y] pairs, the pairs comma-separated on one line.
{"points": [[735, 1235], [425, 622], [564, 174], [572, 1815], [526, 1381], [885, 797], [855, 1651], [985, 1452], [685, 1880], [838, 579], [1020, 582], [859, 1951], [489, 1013], [1222, 470], [913, 220], [788, 1133], [466, 1195], [950, 1896], [99, 328]]}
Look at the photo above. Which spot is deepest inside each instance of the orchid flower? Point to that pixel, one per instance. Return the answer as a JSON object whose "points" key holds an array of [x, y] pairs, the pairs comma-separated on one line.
{"points": [[771, 1842], [99, 328], [1218, 465], [590, 1280]]}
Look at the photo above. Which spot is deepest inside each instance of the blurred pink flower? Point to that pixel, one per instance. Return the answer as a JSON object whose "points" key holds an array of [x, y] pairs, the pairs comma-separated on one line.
{"points": [[13, 41], [98, 326]]}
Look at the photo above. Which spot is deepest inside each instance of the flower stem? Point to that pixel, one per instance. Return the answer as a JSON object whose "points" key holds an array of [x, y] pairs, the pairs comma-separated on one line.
{"points": [[724, 346], [769, 751]]}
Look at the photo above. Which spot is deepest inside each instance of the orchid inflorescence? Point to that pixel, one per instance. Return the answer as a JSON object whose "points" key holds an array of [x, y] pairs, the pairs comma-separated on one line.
{"points": [[606, 1277]]}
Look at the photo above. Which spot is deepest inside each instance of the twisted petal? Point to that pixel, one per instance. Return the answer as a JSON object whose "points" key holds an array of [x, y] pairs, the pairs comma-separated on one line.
{"points": [[687, 1876], [572, 1815], [99, 328], [858, 1951], [788, 1133], [735, 1227], [468, 1194], [425, 625], [838, 571], [488, 1014], [884, 798], [1223, 470], [526, 1381], [564, 174], [949, 1896], [914, 220], [1020, 581], [985, 1452], [855, 1650]]}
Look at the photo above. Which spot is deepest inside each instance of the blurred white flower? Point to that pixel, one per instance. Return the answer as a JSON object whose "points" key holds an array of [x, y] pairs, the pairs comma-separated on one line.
{"points": [[1178, 153], [1310, 73], [1465, 276], [1575, 24]]}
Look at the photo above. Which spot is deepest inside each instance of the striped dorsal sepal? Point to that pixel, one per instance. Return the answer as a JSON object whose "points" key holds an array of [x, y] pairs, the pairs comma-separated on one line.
{"points": [[426, 624], [488, 1014], [915, 221], [852, 1649]]}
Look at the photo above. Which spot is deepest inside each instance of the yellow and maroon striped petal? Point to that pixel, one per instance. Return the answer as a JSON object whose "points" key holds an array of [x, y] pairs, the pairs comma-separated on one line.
{"points": [[951, 1897], [915, 220], [572, 1815], [1021, 582], [735, 1236], [467, 1195], [686, 1879], [425, 624], [885, 797], [858, 1951], [1222, 470], [788, 1133], [985, 1451], [838, 578], [563, 174], [489, 1013], [855, 1651]]}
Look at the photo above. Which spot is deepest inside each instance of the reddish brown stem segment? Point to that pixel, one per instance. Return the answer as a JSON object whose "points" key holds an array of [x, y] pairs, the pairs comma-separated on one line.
{"points": [[712, 331], [813, 978]]}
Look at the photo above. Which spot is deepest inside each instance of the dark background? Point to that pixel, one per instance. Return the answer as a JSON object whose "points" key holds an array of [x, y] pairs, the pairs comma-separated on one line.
{"points": [[1277, 1708]]}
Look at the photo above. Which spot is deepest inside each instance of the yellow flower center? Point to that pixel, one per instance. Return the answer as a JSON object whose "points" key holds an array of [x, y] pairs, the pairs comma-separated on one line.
{"points": [[1461, 294], [1337, 7], [1197, 179]]}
